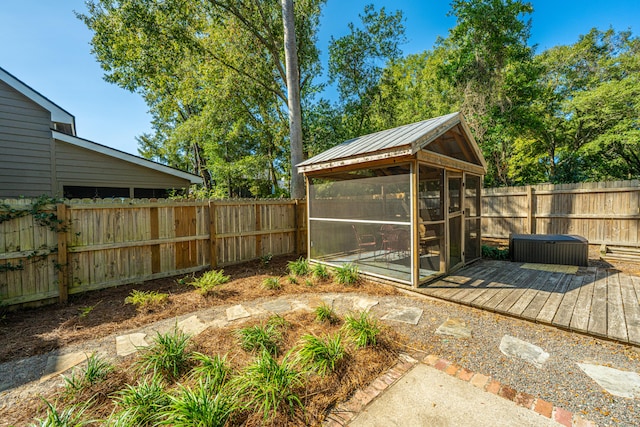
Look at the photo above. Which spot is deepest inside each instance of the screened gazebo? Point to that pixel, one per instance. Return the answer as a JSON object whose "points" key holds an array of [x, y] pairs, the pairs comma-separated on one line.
{"points": [[402, 204]]}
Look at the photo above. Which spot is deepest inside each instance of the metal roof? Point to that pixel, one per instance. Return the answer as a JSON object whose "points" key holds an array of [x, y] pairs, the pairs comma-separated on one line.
{"points": [[403, 140]]}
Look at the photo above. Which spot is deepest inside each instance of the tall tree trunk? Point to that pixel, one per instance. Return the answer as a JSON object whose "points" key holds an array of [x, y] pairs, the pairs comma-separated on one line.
{"points": [[293, 98]]}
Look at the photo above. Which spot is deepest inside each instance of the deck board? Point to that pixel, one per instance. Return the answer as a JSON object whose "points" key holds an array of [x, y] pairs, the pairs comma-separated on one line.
{"points": [[542, 295], [631, 308], [592, 301], [598, 315], [582, 310], [616, 325]]}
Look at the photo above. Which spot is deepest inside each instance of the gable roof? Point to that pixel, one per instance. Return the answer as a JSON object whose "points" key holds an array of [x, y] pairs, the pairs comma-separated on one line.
{"points": [[401, 141], [58, 114], [103, 149]]}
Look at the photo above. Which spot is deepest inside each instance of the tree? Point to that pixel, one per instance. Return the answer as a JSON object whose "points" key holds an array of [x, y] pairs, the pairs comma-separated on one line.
{"points": [[590, 108], [356, 64], [293, 98], [195, 62], [491, 66]]}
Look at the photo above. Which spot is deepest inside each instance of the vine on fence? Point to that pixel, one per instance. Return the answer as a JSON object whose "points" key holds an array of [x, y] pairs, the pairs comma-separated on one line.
{"points": [[11, 267], [43, 217]]}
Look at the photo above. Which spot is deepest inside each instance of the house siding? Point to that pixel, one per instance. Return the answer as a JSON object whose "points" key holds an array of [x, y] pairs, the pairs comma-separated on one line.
{"points": [[76, 166], [25, 146]]}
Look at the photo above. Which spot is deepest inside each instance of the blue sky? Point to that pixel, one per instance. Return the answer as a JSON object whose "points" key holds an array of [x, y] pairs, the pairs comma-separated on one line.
{"points": [[47, 47]]}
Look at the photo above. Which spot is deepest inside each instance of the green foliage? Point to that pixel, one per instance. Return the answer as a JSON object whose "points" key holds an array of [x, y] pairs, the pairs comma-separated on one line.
{"points": [[210, 281], [293, 280], [266, 259], [168, 356], [321, 355], [38, 210], [71, 416], [8, 266], [215, 370], [308, 283], [97, 370], [146, 300], [346, 274], [140, 405], [320, 271], [299, 267], [260, 338], [356, 63], [272, 283], [491, 252], [268, 387], [218, 103], [199, 406], [325, 313], [361, 329]]}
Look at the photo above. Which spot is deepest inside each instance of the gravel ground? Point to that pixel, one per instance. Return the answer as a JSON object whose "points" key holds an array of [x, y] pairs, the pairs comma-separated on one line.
{"points": [[559, 381]]}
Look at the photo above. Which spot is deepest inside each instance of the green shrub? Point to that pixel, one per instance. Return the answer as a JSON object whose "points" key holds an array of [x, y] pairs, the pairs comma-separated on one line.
{"points": [[215, 370], [201, 406], [266, 259], [68, 417], [168, 356], [139, 405], [308, 283], [347, 274], [300, 267], [321, 355], [292, 279], [210, 281], [272, 283], [320, 271], [146, 300], [491, 252], [259, 338], [362, 330], [325, 313], [266, 386], [97, 370]]}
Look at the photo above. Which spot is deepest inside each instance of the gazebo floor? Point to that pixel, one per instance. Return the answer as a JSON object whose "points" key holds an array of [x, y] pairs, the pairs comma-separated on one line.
{"points": [[590, 300]]}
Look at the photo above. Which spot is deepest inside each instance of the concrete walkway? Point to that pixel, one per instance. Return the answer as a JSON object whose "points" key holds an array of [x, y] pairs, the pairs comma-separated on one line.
{"points": [[425, 396]]}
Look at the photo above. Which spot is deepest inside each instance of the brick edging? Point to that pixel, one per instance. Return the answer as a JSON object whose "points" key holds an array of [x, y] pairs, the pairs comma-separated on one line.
{"points": [[345, 412]]}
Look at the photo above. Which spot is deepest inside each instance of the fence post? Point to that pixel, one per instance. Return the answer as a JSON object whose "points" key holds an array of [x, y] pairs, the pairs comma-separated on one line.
{"points": [[258, 227], [63, 259], [299, 224], [213, 252], [531, 209]]}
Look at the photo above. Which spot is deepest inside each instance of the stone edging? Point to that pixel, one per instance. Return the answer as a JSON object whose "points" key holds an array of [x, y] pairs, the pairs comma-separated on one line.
{"points": [[342, 414]]}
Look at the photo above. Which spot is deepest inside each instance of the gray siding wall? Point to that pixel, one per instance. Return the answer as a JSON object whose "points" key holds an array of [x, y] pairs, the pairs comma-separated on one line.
{"points": [[78, 166], [25, 146]]}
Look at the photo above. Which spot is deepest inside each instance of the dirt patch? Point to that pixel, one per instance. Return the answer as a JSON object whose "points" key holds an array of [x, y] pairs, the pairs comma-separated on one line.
{"points": [[102, 313]]}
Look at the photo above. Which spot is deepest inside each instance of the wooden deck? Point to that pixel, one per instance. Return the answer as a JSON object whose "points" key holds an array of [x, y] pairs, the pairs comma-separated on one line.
{"points": [[598, 302]]}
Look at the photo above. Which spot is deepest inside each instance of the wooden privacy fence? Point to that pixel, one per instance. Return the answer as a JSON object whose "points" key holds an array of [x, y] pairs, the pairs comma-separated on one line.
{"points": [[98, 244], [602, 212]]}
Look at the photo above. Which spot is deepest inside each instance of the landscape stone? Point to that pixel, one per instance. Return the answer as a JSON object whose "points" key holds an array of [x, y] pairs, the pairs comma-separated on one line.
{"points": [[192, 325], [454, 327], [514, 347], [364, 304], [617, 382], [57, 364], [237, 312], [129, 344], [409, 315]]}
